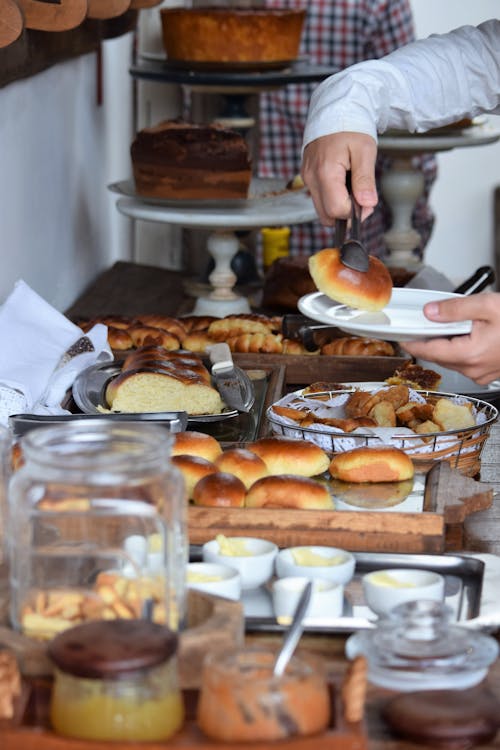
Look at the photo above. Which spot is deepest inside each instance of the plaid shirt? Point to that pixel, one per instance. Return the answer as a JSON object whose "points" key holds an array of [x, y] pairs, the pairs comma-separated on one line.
{"points": [[338, 33]]}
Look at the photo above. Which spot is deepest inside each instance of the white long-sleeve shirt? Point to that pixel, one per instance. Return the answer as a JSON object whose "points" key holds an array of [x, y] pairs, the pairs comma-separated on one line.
{"points": [[426, 84]]}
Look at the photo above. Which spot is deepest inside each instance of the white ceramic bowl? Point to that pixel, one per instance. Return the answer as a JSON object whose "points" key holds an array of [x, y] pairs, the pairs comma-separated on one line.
{"points": [[341, 571], [212, 578], [327, 598], [385, 589], [255, 568]]}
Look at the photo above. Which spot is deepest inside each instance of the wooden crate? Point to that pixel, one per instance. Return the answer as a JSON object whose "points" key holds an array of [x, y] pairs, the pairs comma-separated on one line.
{"points": [[450, 497]]}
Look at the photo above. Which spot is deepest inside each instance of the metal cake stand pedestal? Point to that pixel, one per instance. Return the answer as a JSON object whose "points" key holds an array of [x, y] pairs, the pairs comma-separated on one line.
{"points": [[223, 219], [403, 184]]}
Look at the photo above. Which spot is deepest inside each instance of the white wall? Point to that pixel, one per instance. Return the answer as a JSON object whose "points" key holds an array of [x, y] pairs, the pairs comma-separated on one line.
{"points": [[462, 197], [58, 151]]}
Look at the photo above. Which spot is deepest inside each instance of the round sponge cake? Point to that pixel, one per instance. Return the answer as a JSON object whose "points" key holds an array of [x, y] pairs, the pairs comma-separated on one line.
{"points": [[370, 290]]}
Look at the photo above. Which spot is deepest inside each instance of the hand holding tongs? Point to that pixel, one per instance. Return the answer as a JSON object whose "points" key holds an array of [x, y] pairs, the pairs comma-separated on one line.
{"points": [[352, 252]]}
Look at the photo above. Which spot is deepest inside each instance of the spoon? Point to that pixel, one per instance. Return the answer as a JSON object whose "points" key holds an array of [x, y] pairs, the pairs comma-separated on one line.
{"points": [[353, 254], [292, 635]]}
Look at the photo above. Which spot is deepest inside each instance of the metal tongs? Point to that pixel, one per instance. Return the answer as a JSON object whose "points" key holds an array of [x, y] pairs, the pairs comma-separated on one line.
{"points": [[353, 253]]}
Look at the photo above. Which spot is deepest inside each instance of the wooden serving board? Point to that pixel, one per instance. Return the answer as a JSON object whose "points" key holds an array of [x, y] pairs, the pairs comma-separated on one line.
{"points": [[450, 498], [31, 731]]}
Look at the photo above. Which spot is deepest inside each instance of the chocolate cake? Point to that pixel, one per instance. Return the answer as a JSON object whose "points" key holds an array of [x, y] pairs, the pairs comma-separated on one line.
{"points": [[231, 35], [185, 161]]}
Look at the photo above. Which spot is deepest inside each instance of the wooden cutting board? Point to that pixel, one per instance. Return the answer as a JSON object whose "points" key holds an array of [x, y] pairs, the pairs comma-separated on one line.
{"points": [[11, 22], [45, 15]]}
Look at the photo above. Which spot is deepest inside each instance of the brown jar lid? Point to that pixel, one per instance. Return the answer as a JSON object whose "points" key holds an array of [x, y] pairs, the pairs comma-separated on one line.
{"points": [[112, 648]]}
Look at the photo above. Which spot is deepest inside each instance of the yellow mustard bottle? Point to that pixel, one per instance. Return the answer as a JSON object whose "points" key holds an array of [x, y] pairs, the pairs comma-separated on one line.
{"points": [[116, 680], [275, 244]]}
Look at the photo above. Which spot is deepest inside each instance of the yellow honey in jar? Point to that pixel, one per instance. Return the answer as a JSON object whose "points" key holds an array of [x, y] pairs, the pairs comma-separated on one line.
{"points": [[116, 680]]}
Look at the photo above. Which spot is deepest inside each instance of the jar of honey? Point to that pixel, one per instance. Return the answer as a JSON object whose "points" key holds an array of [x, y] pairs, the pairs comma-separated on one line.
{"points": [[242, 701], [96, 528], [275, 244], [116, 680]]}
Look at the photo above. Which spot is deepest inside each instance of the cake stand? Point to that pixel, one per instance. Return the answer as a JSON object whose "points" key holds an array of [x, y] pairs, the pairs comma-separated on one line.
{"points": [[267, 208], [402, 185]]}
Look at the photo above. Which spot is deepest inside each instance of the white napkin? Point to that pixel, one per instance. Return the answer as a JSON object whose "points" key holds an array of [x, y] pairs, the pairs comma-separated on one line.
{"points": [[42, 353]]}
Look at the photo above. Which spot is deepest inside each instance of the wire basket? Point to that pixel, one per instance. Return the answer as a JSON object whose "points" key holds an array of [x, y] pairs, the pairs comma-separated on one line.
{"points": [[460, 448]]}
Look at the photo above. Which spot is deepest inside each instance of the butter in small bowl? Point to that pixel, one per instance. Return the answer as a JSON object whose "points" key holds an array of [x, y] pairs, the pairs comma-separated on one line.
{"points": [[335, 564], [385, 589], [253, 558], [214, 579]]}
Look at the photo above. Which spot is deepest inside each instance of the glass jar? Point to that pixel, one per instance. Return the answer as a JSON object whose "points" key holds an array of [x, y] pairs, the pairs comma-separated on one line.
{"points": [[275, 244], [242, 701], [116, 680], [96, 528], [416, 647]]}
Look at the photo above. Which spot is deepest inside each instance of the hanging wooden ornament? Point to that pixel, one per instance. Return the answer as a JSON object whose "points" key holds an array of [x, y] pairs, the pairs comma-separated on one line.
{"points": [[11, 22], [47, 15]]}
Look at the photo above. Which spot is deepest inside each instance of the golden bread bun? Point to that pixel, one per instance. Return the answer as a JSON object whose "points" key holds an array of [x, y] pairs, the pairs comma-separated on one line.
{"points": [[371, 495], [289, 491], [166, 323], [244, 464], [193, 443], [220, 490], [384, 464], [370, 290], [143, 335], [289, 456], [192, 468], [119, 339]]}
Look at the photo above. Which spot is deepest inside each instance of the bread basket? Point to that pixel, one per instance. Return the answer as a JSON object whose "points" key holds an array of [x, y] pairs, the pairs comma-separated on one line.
{"points": [[461, 448]]}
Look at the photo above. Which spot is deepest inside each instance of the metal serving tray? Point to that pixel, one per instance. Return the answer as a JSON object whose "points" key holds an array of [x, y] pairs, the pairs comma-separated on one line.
{"points": [[463, 586]]}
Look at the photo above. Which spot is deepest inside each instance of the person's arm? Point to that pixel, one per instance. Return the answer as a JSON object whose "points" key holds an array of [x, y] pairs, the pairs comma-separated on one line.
{"points": [[425, 84], [476, 355]]}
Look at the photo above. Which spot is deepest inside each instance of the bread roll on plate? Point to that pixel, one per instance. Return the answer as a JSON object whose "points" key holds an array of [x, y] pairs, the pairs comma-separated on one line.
{"points": [[290, 456], [220, 490], [384, 464], [244, 464], [366, 290], [289, 491], [193, 443], [192, 468]]}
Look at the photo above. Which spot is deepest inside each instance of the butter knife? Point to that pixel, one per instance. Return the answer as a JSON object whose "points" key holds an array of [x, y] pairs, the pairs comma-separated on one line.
{"points": [[233, 383]]}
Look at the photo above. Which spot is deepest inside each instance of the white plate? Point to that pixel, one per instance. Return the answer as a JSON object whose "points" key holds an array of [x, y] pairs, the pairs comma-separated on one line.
{"points": [[401, 320]]}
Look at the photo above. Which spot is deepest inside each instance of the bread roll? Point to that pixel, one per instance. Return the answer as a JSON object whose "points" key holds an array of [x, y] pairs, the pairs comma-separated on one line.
{"points": [[289, 491], [10, 684], [384, 464], [197, 341], [143, 335], [192, 468], [289, 456], [166, 323], [119, 339], [357, 346], [194, 443], [265, 343], [244, 464], [370, 290], [193, 323], [220, 490]]}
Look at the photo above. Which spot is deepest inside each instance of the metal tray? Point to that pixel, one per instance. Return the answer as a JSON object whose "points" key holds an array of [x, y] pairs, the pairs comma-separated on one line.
{"points": [[463, 586], [89, 387]]}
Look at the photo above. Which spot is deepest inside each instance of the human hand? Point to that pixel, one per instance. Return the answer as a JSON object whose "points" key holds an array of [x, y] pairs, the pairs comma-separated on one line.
{"points": [[477, 354], [324, 166]]}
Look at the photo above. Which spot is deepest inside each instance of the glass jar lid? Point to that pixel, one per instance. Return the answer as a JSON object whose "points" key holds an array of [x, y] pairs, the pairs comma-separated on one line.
{"points": [[112, 648], [415, 647]]}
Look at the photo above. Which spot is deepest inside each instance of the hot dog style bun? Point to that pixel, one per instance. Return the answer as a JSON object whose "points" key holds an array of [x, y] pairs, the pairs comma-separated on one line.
{"points": [[370, 290], [384, 464]]}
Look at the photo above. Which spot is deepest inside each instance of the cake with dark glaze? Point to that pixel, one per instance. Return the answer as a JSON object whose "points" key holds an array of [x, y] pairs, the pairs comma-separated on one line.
{"points": [[212, 36], [186, 161]]}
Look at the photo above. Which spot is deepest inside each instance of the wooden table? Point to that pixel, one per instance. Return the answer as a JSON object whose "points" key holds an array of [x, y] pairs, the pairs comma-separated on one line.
{"points": [[144, 289]]}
